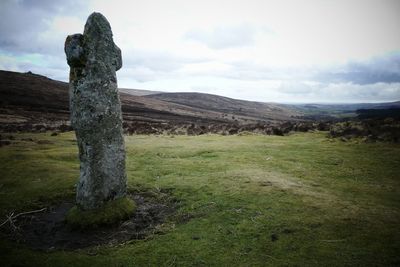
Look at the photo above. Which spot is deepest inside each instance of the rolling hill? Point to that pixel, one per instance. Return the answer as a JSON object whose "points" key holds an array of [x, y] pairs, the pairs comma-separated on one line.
{"points": [[34, 102], [329, 111], [228, 106], [28, 99]]}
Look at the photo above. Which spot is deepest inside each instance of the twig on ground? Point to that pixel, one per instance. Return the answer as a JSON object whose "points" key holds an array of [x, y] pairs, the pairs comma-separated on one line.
{"points": [[11, 218], [173, 261], [273, 258], [8, 218]]}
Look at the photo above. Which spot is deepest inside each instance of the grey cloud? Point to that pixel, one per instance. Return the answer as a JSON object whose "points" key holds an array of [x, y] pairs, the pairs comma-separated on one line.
{"points": [[19, 26], [57, 69], [50, 5], [384, 69], [381, 92], [224, 37], [139, 74], [339, 92], [22, 21], [154, 60], [146, 65], [297, 88], [247, 70], [374, 80]]}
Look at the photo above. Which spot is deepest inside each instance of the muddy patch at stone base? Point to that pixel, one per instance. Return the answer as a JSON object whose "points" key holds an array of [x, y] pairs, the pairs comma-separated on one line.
{"points": [[48, 231]]}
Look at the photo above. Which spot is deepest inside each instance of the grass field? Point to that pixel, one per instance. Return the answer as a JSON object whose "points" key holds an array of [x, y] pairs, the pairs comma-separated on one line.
{"points": [[252, 200]]}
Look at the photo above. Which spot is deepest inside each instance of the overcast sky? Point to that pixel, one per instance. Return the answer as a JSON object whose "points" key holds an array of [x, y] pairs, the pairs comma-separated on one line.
{"points": [[271, 51]]}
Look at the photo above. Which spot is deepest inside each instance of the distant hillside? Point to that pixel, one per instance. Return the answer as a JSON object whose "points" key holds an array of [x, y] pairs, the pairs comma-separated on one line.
{"points": [[31, 102], [138, 92], [229, 107], [326, 111], [350, 107], [27, 98], [381, 113]]}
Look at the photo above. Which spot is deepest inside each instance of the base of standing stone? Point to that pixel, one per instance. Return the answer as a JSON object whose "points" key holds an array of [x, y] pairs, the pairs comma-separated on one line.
{"points": [[111, 213]]}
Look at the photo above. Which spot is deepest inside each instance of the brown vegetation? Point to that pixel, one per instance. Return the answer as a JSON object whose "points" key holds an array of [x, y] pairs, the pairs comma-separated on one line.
{"points": [[31, 102]]}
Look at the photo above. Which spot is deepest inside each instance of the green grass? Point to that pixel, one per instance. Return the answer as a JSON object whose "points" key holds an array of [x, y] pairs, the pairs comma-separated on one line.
{"points": [[111, 213], [327, 202]]}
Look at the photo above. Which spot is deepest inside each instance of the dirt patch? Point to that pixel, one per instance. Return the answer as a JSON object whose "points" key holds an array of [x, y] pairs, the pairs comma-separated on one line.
{"points": [[48, 230]]}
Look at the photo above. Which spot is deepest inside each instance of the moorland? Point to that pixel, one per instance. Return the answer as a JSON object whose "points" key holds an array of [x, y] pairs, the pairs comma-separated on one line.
{"points": [[217, 181]]}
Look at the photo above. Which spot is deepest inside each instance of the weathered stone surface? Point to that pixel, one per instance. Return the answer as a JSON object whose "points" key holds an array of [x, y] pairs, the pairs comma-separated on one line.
{"points": [[96, 112]]}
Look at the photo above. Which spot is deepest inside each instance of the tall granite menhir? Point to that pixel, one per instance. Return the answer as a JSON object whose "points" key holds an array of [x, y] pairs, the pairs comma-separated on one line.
{"points": [[96, 113]]}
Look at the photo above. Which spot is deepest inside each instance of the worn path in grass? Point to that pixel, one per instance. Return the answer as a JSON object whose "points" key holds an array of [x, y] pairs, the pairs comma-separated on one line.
{"points": [[250, 200]]}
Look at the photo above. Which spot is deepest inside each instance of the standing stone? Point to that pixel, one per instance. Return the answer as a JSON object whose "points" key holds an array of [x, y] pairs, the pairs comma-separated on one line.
{"points": [[96, 113]]}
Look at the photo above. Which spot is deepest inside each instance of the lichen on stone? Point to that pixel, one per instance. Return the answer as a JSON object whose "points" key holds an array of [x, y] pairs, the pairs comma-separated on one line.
{"points": [[96, 114]]}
